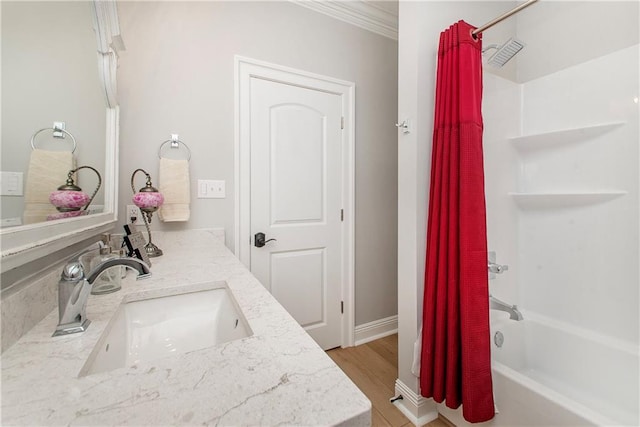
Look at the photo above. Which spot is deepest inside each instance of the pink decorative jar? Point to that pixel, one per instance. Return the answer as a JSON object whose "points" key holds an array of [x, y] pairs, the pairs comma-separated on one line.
{"points": [[63, 215], [148, 199], [68, 200]]}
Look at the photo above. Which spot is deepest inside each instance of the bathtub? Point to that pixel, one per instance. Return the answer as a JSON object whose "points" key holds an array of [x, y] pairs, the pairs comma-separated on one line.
{"points": [[546, 373]]}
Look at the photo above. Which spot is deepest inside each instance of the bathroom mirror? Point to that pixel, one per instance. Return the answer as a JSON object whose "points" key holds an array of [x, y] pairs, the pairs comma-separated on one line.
{"points": [[52, 73]]}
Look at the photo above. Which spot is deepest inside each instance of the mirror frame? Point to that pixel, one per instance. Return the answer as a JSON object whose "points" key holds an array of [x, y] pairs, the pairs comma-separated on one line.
{"points": [[26, 243]]}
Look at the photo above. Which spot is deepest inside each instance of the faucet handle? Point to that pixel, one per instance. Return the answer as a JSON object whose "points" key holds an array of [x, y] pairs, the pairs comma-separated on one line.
{"points": [[497, 268], [73, 291], [72, 272], [493, 267]]}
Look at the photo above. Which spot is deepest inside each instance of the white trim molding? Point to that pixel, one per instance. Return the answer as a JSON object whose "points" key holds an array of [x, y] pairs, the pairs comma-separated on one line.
{"points": [[363, 14], [419, 410], [377, 329]]}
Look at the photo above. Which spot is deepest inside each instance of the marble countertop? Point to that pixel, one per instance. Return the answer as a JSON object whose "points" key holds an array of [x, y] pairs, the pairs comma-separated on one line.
{"points": [[277, 376]]}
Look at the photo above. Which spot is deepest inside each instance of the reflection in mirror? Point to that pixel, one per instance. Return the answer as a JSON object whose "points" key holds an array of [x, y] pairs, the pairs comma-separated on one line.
{"points": [[49, 75], [69, 199]]}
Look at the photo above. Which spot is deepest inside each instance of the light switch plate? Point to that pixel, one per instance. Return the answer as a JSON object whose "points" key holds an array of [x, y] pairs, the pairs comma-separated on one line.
{"points": [[211, 189], [11, 184]]}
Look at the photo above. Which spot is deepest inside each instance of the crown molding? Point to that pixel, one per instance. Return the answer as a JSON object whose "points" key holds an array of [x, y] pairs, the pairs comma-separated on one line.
{"points": [[361, 13]]}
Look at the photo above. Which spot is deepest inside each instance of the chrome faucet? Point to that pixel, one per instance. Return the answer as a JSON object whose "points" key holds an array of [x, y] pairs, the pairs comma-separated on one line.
{"points": [[496, 304], [74, 289]]}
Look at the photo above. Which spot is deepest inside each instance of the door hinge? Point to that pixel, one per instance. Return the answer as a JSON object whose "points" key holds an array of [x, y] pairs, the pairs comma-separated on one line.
{"points": [[342, 122], [341, 214], [342, 307]]}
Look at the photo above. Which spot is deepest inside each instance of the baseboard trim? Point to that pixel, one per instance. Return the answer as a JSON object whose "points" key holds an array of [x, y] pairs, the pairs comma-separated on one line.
{"points": [[419, 410], [376, 329]]}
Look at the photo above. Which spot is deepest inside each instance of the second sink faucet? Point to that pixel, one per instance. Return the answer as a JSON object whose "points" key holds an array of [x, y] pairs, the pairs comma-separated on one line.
{"points": [[74, 289]]}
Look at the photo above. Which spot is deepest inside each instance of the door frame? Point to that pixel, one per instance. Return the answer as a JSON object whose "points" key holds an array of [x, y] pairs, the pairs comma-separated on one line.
{"points": [[247, 68]]}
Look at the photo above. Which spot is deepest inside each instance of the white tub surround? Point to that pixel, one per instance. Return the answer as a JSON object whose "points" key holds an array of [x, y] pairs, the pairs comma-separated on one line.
{"points": [[550, 373], [563, 208], [278, 375]]}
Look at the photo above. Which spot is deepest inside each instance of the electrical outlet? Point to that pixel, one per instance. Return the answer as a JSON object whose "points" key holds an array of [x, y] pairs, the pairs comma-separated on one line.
{"points": [[133, 215]]}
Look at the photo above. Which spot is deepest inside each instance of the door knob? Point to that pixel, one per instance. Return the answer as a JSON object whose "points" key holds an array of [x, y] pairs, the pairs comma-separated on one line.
{"points": [[259, 240]]}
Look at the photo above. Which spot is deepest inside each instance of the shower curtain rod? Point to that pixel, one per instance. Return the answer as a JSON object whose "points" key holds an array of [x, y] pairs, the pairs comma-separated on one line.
{"points": [[502, 17]]}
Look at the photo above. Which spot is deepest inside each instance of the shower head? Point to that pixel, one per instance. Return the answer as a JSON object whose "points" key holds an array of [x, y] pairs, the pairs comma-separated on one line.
{"points": [[505, 52]]}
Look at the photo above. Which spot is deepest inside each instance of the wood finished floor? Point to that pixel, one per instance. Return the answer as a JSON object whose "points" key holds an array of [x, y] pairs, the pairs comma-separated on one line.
{"points": [[373, 367]]}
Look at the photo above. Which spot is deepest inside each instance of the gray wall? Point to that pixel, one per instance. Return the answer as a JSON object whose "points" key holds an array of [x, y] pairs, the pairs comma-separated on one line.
{"points": [[177, 76]]}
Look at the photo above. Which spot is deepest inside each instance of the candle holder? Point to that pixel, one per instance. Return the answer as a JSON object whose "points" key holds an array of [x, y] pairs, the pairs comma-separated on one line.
{"points": [[69, 199], [148, 199]]}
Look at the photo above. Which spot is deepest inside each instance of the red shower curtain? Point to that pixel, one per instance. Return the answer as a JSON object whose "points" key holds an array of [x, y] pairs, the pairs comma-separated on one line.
{"points": [[456, 355]]}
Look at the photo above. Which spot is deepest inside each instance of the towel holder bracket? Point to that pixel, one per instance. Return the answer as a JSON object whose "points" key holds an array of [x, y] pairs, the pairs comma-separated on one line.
{"points": [[175, 140], [58, 127], [58, 131], [175, 144]]}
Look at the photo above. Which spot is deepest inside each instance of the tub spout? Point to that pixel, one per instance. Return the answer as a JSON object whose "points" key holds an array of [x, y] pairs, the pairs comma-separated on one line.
{"points": [[496, 304]]}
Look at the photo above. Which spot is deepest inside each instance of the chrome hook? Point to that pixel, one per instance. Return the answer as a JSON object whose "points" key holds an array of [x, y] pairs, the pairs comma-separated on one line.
{"points": [[404, 126]]}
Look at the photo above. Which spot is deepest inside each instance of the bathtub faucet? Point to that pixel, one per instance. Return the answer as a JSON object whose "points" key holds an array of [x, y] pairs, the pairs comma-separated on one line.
{"points": [[496, 304]]}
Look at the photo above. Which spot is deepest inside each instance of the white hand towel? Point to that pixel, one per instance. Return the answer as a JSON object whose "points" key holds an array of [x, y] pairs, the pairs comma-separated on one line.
{"points": [[175, 187], [47, 171]]}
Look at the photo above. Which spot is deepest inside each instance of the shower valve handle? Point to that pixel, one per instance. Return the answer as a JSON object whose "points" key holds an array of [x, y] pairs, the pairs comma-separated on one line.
{"points": [[497, 268]]}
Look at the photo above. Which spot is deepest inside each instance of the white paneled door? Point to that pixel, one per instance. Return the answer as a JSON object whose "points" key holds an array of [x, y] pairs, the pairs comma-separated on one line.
{"points": [[296, 193]]}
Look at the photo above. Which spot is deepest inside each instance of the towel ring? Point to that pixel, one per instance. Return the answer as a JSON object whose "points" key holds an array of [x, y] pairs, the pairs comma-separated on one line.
{"points": [[175, 143], [33, 147]]}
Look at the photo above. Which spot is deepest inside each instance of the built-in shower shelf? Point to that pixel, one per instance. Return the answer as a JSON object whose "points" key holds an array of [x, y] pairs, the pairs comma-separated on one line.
{"points": [[561, 200], [561, 137]]}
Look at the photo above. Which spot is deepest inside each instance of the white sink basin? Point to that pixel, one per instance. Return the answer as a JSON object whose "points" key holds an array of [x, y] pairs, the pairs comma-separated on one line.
{"points": [[162, 325]]}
